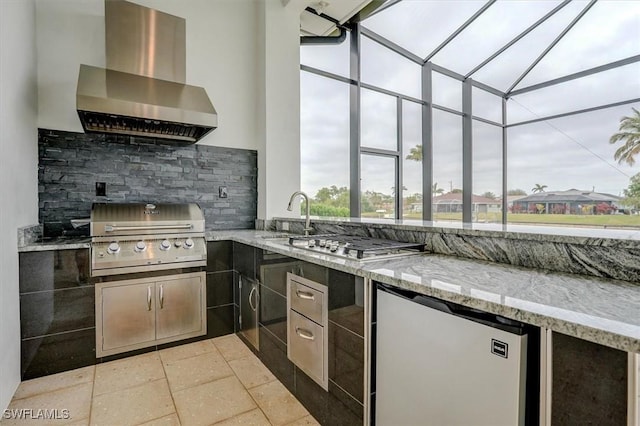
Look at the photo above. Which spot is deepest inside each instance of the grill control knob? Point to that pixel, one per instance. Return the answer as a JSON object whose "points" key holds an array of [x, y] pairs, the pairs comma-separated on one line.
{"points": [[113, 248], [178, 244], [188, 243], [165, 245], [140, 246]]}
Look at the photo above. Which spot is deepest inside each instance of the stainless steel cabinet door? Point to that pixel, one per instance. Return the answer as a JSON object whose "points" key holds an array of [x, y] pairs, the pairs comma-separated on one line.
{"points": [[179, 307], [249, 302], [128, 315]]}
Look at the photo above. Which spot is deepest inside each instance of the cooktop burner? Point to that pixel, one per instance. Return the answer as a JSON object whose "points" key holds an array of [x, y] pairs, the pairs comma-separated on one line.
{"points": [[355, 247]]}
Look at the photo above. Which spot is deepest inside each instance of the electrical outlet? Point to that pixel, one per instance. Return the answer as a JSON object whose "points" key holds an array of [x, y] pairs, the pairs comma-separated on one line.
{"points": [[285, 226], [101, 189], [223, 192]]}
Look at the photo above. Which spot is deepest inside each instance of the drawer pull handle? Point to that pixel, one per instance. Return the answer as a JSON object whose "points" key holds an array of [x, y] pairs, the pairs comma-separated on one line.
{"points": [[305, 295], [149, 298], [305, 334]]}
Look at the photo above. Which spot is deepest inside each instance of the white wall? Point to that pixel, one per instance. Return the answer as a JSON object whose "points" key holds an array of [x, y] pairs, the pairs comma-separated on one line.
{"points": [[245, 53], [279, 107], [221, 57], [18, 171]]}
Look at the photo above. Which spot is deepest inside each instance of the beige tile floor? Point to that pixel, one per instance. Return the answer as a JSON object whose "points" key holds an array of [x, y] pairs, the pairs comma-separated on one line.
{"points": [[218, 381]]}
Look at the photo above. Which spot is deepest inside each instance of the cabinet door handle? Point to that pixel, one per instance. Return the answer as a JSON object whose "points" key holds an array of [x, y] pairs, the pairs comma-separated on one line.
{"points": [[253, 308], [305, 295], [305, 334], [149, 298], [161, 296]]}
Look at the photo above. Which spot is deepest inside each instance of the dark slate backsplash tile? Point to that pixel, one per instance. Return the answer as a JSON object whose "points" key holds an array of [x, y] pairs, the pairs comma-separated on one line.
{"points": [[142, 170]]}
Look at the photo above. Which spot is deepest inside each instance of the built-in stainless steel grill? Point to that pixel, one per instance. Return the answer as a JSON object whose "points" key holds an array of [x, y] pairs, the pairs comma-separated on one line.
{"points": [[130, 238]]}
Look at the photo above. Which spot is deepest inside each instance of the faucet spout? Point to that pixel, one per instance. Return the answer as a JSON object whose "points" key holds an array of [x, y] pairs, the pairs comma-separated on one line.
{"points": [[307, 223]]}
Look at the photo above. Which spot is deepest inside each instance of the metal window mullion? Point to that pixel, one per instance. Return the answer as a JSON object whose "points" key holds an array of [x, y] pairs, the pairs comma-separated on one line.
{"points": [[484, 120], [457, 76], [327, 74], [447, 109], [467, 153], [379, 152], [354, 123], [518, 37], [399, 182], [505, 202], [460, 29], [580, 74], [427, 143], [580, 111], [389, 92], [552, 45], [391, 46]]}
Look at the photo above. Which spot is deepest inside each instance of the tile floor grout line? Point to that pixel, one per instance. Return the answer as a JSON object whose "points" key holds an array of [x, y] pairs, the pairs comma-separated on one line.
{"points": [[173, 401], [93, 387], [247, 389], [49, 391], [134, 386]]}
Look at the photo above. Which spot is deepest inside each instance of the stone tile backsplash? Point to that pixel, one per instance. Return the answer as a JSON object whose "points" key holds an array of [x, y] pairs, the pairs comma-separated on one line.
{"points": [[142, 170]]}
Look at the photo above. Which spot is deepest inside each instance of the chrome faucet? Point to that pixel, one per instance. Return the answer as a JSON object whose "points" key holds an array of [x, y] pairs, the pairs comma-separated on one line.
{"points": [[307, 223]]}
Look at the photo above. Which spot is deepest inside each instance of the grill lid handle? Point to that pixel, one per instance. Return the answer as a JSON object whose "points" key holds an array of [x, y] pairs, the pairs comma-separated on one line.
{"points": [[114, 228]]}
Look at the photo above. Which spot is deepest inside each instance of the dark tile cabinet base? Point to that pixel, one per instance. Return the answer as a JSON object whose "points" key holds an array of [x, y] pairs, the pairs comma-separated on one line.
{"points": [[57, 312], [343, 404], [589, 383], [57, 308]]}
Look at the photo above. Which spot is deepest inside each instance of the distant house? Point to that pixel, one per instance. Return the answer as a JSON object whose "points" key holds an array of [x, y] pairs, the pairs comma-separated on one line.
{"points": [[573, 201], [452, 203]]}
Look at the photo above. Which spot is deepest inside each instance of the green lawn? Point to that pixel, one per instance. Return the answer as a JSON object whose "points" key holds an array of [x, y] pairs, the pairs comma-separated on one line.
{"points": [[609, 220]]}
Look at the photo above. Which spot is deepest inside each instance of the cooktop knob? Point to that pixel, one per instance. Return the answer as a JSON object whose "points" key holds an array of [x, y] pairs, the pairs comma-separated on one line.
{"points": [[140, 246], [113, 248], [188, 243], [165, 245], [178, 243]]}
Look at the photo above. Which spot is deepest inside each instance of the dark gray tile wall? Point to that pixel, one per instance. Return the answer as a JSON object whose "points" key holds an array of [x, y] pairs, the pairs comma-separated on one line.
{"points": [[142, 170]]}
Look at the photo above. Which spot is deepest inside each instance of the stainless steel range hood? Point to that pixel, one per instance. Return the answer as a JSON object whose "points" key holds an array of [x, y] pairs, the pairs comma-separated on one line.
{"points": [[142, 92]]}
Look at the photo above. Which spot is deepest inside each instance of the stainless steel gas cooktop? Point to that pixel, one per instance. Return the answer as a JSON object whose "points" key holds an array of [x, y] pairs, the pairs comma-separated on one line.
{"points": [[355, 247]]}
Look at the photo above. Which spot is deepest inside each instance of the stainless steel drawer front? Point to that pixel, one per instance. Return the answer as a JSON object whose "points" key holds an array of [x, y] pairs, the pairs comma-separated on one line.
{"points": [[307, 301], [306, 343]]}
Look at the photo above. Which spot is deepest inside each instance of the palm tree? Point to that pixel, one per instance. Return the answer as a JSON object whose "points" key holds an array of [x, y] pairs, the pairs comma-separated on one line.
{"points": [[630, 134], [538, 188], [436, 190], [415, 153]]}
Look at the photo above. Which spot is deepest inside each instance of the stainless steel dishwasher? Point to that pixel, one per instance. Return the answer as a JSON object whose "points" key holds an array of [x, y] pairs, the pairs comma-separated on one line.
{"points": [[438, 363]]}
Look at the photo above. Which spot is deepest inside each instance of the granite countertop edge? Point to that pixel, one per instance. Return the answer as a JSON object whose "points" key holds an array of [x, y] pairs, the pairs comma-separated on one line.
{"points": [[585, 307]]}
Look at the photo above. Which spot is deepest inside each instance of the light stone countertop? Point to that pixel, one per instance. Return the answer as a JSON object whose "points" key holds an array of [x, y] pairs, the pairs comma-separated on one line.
{"points": [[595, 309], [599, 310]]}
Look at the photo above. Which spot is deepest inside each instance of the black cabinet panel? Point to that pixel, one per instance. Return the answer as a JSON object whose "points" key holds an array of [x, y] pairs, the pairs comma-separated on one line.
{"points": [[220, 321], [273, 354], [244, 260], [50, 312], [346, 361], [61, 352], [343, 409], [589, 383], [53, 270], [219, 256], [273, 312], [219, 288], [312, 396]]}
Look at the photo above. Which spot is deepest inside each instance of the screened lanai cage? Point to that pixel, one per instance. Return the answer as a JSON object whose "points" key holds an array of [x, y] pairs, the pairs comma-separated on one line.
{"points": [[512, 101]]}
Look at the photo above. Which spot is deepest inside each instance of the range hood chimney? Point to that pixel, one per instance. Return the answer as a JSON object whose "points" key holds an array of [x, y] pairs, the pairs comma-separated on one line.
{"points": [[142, 92]]}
